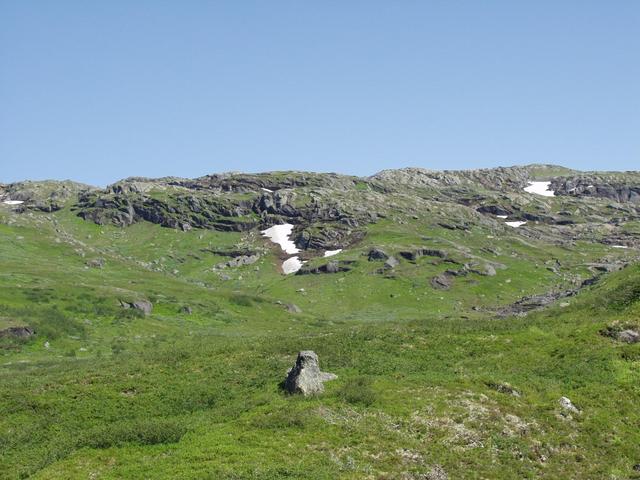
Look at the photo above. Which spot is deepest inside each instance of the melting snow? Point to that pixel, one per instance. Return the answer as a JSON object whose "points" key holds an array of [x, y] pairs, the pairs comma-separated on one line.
{"points": [[13, 202], [540, 188], [291, 265], [515, 224], [280, 234], [331, 253]]}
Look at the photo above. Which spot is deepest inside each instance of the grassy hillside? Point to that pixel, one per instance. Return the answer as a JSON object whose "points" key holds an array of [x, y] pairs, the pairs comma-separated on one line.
{"points": [[431, 383]]}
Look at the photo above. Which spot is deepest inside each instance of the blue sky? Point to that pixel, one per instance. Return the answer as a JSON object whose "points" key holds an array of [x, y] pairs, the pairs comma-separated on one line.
{"points": [[97, 91]]}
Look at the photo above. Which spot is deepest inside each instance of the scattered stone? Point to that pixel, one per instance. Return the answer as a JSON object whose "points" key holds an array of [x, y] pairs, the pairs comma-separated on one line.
{"points": [[17, 332], [239, 261], [437, 473], [621, 333], [333, 266], [95, 263], [186, 309], [305, 377], [442, 281], [567, 405], [391, 262], [504, 388], [293, 308], [145, 306], [629, 336]]}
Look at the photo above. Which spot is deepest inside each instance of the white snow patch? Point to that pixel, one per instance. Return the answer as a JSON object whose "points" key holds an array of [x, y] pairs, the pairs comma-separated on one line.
{"points": [[291, 265], [619, 246], [266, 190], [502, 216], [515, 224], [540, 188], [331, 253], [280, 234], [13, 202]]}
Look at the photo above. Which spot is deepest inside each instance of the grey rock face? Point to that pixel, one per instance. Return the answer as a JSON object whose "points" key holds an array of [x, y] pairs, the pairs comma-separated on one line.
{"points": [[305, 377]]}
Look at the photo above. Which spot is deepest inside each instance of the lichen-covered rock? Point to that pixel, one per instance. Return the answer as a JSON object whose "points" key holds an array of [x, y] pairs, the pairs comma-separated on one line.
{"points": [[305, 377]]}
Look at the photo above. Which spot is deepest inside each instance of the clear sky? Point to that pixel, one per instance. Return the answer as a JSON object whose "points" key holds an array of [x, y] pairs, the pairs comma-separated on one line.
{"points": [[98, 91]]}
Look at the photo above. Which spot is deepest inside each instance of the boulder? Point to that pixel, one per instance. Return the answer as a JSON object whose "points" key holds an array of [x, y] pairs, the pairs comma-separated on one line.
{"points": [[567, 405], [95, 263], [186, 309], [145, 306], [629, 336], [377, 254], [391, 262], [17, 332], [305, 377], [293, 308], [442, 281]]}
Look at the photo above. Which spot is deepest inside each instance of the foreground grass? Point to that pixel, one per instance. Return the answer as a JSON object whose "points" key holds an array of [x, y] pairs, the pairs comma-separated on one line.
{"points": [[410, 396]]}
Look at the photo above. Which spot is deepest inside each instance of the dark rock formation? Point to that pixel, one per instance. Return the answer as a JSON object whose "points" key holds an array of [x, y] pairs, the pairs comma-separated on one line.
{"points": [[377, 254]]}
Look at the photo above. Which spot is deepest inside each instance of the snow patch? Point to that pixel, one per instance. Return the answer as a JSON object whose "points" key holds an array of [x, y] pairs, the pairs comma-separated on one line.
{"points": [[540, 188], [280, 234], [619, 246], [331, 253], [291, 265], [13, 202], [502, 216], [515, 224], [266, 190]]}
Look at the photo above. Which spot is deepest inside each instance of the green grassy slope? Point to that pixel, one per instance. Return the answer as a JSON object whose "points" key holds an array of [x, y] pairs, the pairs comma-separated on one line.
{"points": [[104, 392]]}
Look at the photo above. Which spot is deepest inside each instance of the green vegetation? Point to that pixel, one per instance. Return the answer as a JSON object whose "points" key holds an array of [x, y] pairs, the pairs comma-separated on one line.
{"points": [[105, 392]]}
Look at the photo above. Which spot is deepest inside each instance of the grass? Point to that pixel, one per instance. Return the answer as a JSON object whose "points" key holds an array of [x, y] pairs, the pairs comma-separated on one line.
{"points": [[102, 392]]}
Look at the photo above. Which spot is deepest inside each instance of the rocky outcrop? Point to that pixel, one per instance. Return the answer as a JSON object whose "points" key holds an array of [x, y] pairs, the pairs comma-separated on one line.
{"points": [[415, 254], [239, 261], [612, 187], [334, 266], [305, 377]]}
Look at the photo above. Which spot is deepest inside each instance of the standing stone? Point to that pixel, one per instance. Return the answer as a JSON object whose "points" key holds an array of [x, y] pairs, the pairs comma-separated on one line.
{"points": [[305, 377]]}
